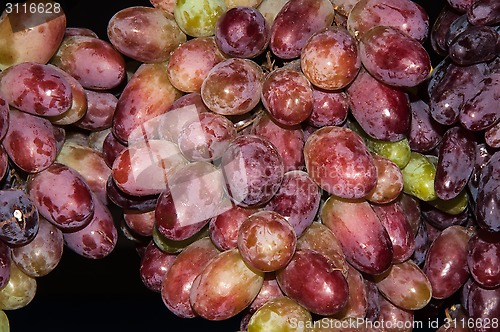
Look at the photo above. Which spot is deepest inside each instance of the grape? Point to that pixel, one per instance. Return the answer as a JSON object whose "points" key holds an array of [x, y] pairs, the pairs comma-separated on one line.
{"points": [[450, 87], [365, 241], [484, 12], [98, 238], [425, 133], [484, 306], [4, 322], [440, 29], [372, 301], [266, 241], [492, 136], [314, 282], [5, 262], [479, 112], [232, 87], [111, 148], [330, 59], [421, 246], [242, 32], [295, 23], [176, 246], [330, 108], [18, 217], [289, 141], [190, 63], [4, 117], [30, 37], [78, 105], [184, 110], [320, 238], [198, 18], [206, 138], [406, 286], [443, 220], [474, 45], [100, 110], [36, 89], [483, 259], [144, 169], [398, 152], [488, 200], [460, 5], [141, 223], [446, 262], [195, 195], [357, 301], [224, 228], [277, 315], [411, 207], [144, 34], [93, 62], [253, 170], [19, 291], [270, 290], [126, 201], [225, 287], [396, 224], [339, 162], [89, 164], [70, 32], [394, 58], [418, 176], [149, 94], [166, 5], [384, 113], [41, 256], [154, 266], [287, 96], [297, 200], [404, 15], [178, 280], [455, 163], [458, 26], [62, 197], [389, 181], [392, 317]]}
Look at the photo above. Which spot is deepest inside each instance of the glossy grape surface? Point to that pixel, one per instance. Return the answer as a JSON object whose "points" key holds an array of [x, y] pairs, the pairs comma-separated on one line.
{"points": [[232, 87], [253, 170], [62, 197], [18, 217], [339, 162], [315, 282], [242, 32], [364, 239], [330, 59], [288, 96], [145, 34], [308, 17]]}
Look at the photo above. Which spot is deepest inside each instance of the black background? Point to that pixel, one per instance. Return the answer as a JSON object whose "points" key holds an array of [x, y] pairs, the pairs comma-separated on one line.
{"points": [[108, 295]]}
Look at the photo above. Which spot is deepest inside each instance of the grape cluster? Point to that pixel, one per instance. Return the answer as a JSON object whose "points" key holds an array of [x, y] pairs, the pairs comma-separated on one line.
{"points": [[298, 164]]}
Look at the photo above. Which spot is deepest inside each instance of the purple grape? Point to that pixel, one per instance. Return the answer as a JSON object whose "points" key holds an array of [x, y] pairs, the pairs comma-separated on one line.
{"points": [[18, 217]]}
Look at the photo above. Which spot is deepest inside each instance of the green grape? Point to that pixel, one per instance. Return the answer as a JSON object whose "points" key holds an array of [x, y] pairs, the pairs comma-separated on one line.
{"points": [[453, 206], [197, 18], [4, 322], [418, 176], [280, 315], [172, 246], [19, 291], [397, 152]]}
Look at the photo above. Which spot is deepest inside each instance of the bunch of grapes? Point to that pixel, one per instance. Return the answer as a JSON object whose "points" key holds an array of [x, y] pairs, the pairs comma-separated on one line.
{"points": [[298, 164]]}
